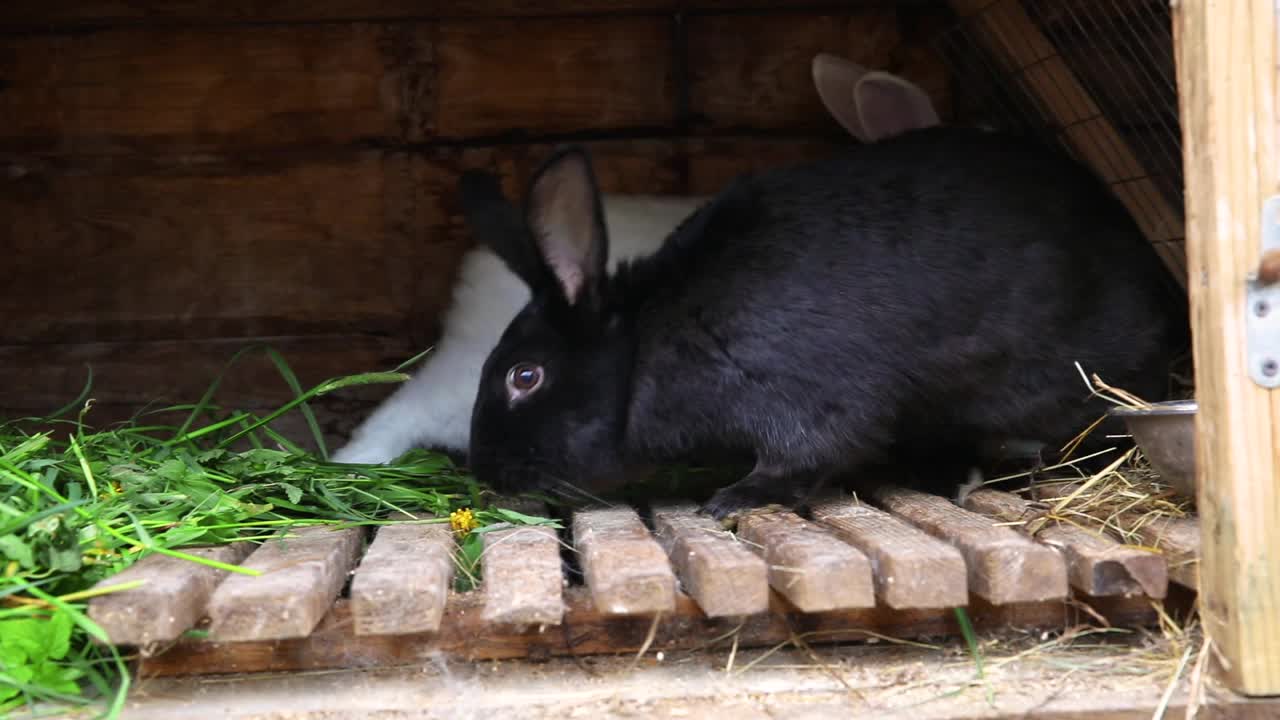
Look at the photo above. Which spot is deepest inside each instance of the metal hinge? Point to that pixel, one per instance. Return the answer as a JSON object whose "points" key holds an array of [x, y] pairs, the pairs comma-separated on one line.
{"points": [[1262, 302]]}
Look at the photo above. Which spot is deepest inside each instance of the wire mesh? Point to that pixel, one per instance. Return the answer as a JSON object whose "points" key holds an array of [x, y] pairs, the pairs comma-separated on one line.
{"points": [[1096, 77]]}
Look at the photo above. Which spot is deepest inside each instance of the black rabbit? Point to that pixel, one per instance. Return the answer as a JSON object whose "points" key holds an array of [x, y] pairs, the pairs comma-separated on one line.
{"points": [[919, 297]]}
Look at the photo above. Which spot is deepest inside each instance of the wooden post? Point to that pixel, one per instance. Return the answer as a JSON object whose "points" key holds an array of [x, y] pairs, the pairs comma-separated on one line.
{"points": [[1227, 85]]}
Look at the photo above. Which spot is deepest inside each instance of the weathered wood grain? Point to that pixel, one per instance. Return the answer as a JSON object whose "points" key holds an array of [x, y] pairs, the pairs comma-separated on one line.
{"points": [[571, 74], [402, 583], [640, 167], [172, 599], [754, 70], [464, 635], [522, 573], [282, 245], [216, 88], [1178, 539], [912, 569], [220, 246], [624, 566], [1227, 75], [808, 565], [42, 377], [1004, 566], [30, 14], [715, 568], [302, 574], [1097, 565], [713, 162]]}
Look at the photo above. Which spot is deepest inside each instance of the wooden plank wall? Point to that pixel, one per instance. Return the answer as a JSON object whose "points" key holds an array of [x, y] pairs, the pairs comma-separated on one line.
{"points": [[179, 179]]}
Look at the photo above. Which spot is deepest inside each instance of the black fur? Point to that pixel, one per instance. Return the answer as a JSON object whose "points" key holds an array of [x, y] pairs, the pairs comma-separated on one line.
{"points": [[915, 298]]}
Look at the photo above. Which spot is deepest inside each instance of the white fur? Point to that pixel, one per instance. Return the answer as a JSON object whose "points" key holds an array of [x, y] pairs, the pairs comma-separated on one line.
{"points": [[434, 407]]}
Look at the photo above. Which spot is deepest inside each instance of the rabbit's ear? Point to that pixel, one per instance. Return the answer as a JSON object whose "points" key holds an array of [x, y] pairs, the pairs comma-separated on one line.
{"points": [[871, 104], [889, 105], [835, 78], [567, 221], [497, 223]]}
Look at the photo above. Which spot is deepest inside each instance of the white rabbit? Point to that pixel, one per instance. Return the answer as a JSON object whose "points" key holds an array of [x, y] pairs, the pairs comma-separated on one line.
{"points": [[433, 409]]}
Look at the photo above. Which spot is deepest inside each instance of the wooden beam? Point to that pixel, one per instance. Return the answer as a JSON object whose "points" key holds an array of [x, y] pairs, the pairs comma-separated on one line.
{"points": [[808, 564], [572, 74], [1004, 566], [912, 568], [1096, 564], [624, 566], [402, 582], [234, 245], [41, 377], [465, 635], [172, 599], [1227, 77], [203, 89], [1178, 540], [95, 14], [717, 569], [754, 70], [521, 571], [303, 570], [247, 218]]}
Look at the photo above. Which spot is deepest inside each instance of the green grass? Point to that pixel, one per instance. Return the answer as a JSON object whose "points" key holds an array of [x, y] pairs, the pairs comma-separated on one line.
{"points": [[77, 505]]}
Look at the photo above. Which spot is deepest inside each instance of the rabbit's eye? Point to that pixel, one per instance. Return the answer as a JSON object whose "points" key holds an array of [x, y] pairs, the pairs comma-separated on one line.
{"points": [[523, 379]]}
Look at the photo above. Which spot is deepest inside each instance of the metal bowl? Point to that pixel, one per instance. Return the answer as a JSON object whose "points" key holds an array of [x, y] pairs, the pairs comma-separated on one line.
{"points": [[1166, 434]]}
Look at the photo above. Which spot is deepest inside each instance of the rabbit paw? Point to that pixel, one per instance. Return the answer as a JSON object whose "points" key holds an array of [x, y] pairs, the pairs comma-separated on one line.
{"points": [[760, 488], [764, 487], [734, 499]]}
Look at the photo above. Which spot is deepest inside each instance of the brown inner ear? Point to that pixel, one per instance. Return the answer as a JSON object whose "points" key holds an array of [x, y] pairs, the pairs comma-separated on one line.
{"points": [[564, 224]]}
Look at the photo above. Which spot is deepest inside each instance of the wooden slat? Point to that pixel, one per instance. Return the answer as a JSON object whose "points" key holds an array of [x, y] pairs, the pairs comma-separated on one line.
{"points": [[754, 70], [302, 574], [522, 572], [1179, 540], [464, 635], [572, 74], [644, 167], [1097, 565], [404, 579], [715, 569], [31, 14], [1227, 73], [172, 599], [912, 569], [269, 246], [625, 568], [713, 162], [272, 247], [1004, 566], [216, 88], [808, 565], [40, 378]]}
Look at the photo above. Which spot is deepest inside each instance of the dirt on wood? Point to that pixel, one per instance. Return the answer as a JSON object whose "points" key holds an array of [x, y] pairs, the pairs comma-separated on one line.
{"points": [[1100, 675]]}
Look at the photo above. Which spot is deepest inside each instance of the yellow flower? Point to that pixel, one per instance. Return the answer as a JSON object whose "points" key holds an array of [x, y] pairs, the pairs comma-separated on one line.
{"points": [[462, 521]]}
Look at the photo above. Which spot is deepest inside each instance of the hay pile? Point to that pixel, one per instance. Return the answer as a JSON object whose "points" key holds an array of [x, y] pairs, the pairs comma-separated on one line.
{"points": [[1119, 500]]}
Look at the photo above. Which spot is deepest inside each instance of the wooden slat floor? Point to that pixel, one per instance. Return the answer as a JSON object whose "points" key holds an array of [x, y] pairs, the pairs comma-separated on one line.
{"points": [[895, 565]]}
